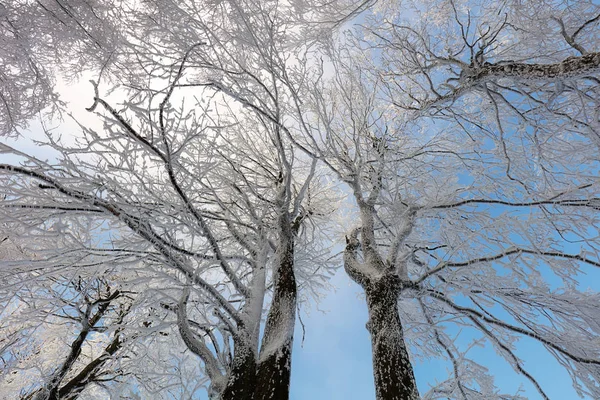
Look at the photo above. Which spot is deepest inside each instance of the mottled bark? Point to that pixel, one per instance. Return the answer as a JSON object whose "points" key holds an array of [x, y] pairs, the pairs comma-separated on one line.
{"points": [[392, 370], [242, 377], [570, 66], [268, 378], [275, 360], [274, 374], [474, 75]]}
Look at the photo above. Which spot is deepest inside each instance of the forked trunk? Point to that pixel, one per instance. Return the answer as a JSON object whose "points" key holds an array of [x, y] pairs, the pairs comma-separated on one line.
{"points": [[73, 388], [51, 390], [392, 370]]}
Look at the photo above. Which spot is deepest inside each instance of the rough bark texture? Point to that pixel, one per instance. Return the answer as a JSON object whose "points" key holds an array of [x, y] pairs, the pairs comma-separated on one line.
{"points": [[570, 66], [473, 76], [242, 378], [274, 375], [392, 370], [275, 361]]}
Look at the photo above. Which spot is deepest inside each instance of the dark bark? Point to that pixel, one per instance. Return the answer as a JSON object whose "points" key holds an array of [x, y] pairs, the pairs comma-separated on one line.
{"points": [[275, 361], [268, 378], [392, 369], [570, 66], [274, 373], [71, 358], [474, 75], [88, 324], [75, 386], [53, 391], [242, 378]]}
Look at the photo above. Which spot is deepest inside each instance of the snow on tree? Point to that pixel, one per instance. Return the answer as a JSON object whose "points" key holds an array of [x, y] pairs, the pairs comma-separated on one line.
{"points": [[38, 326], [45, 42], [209, 220], [184, 194], [189, 199], [472, 158], [464, 134]]}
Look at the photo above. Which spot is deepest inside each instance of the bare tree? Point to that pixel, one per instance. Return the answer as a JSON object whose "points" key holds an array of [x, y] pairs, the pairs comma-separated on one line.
{"points": [[449, 234], [50, 41], [197, 204], [83, 312], [466, 138], [218, 218], [467, 225], [445, 69], [62, 386]]}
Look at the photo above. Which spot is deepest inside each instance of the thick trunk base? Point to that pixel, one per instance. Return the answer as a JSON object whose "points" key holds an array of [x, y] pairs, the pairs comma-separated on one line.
{"points": [[242, 378], [392, 370], [273, 377]]}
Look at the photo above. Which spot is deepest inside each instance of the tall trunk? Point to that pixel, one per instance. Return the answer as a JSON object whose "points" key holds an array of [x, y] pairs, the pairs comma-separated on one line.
{"points": [[242, 378], [275, 360], [392, 370]]}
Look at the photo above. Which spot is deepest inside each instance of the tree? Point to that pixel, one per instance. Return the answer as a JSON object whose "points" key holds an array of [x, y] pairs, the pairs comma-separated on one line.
{"points": [[441, 211], [261, 235], [37, 319], [46, 42], [249, 222], [58, 385], [466, 140]]}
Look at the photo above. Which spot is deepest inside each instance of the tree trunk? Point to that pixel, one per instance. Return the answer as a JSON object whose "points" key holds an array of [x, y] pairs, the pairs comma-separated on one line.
{"points": [[273, 376], [392, 370], [242, 378], [275, 361]]}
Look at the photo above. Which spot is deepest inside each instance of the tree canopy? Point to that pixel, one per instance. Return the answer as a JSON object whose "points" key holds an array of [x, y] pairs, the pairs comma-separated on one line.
{"points": [[234, 154]]}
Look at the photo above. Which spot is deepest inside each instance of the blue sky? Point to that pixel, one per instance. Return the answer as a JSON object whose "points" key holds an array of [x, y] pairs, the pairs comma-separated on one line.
{"points": [[334, 363]]}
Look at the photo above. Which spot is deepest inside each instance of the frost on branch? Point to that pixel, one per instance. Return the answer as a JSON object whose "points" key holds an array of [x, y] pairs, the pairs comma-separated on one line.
{"points": [[464, 141]]}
